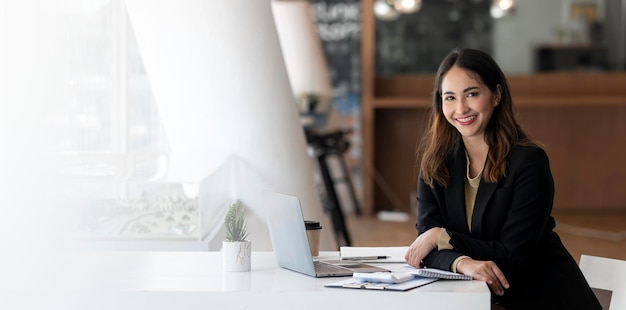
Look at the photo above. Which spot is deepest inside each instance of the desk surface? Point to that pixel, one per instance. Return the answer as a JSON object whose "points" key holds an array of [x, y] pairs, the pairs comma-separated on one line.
{"points": [[195, 280]]}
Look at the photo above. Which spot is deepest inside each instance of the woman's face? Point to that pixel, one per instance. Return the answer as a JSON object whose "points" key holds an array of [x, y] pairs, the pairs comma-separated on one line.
{"points": [[467, 103]]}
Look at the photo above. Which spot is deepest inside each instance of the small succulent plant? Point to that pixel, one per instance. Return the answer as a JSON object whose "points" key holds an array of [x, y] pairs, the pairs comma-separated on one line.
{"points": [[235, 223]]}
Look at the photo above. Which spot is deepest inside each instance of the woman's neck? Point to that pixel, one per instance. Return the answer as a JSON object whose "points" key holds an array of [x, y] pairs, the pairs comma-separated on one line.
{"points": [[477, 155]]}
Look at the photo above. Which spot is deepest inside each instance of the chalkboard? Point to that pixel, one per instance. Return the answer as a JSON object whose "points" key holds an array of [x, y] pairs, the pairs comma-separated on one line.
{"points": [[339, 27], [417, 42]]}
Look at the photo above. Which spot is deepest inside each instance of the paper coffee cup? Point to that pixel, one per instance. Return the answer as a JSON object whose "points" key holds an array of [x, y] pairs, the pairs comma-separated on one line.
{"points": [[313, 232]]}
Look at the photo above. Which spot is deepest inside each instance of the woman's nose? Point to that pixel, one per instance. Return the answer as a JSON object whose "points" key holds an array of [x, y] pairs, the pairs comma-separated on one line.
{"points": [[461, 106]]}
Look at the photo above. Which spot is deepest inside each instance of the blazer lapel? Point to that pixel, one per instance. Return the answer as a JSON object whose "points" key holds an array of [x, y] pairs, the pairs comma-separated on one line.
{"points": [[455, 192], [485, 191]]}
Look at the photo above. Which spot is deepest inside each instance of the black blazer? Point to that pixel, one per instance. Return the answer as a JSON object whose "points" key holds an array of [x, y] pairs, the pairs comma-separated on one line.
{"points": [[512, 226]]}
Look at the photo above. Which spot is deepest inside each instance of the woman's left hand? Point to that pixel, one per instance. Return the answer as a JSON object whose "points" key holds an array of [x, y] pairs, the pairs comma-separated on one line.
{"points": [[423, 244], [486, 271]]}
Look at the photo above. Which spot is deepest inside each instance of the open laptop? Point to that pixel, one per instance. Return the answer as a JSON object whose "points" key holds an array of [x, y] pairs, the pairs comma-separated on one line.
{"points": [[290, 242]]}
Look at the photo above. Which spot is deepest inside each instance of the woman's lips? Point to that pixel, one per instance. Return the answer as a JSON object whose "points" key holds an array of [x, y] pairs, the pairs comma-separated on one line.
{"points": [[466, 120]]}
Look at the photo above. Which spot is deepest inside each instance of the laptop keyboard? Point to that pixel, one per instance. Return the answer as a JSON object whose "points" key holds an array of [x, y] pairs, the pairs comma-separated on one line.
{"points": [[322, 267]]}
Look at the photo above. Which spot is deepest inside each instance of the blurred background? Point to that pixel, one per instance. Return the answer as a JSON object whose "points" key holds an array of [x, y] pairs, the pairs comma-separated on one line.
{"points": [[93, 149]]}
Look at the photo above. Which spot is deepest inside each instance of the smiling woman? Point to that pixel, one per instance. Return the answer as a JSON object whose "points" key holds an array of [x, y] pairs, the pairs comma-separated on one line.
{"points": [[485, 194]]}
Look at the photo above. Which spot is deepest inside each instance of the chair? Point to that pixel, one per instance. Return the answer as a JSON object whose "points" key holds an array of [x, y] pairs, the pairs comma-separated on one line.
{"points": [[606, 274]]}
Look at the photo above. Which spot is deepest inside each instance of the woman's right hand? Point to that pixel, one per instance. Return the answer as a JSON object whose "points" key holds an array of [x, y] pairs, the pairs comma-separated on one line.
{"points": [[425, 242], [486, 271]]}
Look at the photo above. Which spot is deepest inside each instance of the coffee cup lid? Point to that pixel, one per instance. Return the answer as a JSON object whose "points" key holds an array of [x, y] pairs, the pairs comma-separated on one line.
{"points": [[312, 225]]}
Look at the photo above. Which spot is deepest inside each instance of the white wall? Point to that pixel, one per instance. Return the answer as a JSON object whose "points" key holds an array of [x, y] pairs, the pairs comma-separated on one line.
{"points": [[534, 22], [515, 36], [222, 88]]}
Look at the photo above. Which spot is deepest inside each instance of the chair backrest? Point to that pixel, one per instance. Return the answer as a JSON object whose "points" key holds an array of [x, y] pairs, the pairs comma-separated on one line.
{"points": [[606, 274]]}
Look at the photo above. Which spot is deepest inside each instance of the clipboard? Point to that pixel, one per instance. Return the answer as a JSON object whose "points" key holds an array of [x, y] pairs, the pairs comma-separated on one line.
{"points": [[353, 283]]}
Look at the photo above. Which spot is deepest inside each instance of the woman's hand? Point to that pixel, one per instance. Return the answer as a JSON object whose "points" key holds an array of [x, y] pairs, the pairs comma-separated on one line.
{"points": [[486, 271], [424, 243]]}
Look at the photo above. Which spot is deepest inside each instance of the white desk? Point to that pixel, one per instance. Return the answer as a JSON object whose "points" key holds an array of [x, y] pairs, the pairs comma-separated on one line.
{"points": [[195, 280]]}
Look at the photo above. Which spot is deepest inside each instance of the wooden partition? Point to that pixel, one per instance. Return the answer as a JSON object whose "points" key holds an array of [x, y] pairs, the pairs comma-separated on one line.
{"points": [[580, 117]]}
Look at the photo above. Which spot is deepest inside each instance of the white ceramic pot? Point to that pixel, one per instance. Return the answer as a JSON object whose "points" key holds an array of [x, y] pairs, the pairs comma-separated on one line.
{"points": [[236, 256]]}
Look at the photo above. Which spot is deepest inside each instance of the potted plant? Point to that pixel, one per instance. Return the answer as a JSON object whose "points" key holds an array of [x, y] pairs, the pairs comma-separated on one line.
{"points": [[236, 249], [307, 102]]}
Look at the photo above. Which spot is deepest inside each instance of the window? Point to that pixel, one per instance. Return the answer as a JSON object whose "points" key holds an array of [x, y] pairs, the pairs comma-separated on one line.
{"points": [[110, 124]]}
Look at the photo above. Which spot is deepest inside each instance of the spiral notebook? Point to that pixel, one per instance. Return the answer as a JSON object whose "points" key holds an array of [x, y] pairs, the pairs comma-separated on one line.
{"points": [[439, 274]]}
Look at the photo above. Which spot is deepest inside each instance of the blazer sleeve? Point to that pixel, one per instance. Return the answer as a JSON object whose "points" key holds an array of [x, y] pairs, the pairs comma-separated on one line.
{"points": [[430, 215]]}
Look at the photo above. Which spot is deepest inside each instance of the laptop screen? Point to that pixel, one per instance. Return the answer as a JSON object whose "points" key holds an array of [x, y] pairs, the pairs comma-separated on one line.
{"points": [[287, 231]]}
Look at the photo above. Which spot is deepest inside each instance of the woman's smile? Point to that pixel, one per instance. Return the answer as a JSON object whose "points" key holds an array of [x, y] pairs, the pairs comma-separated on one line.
{"points": [[467, 120]]}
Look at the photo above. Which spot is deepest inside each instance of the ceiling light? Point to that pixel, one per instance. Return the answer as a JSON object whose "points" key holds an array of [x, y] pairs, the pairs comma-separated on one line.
{"points": [[407, 6], [501, 8], [384, 11]]}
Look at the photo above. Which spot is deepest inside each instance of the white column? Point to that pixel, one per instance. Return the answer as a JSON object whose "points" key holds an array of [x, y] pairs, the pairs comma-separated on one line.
{"points": [[302, 50], [222, 90]]}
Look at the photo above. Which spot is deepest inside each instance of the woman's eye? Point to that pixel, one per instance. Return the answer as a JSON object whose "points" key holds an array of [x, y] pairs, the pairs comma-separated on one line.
{"points": [[472, 94], [448, 98]]}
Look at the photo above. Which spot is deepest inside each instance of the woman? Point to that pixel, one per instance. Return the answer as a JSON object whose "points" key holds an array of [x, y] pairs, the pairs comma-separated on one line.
{"points": [[485, 194]]}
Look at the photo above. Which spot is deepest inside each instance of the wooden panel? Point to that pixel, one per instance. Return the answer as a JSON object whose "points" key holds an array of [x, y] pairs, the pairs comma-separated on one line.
{"points": [[397, 134], [536, 85], [367, 111], [569, 84], [413, 86], [586, 145], [575, 115], [587, 149]]}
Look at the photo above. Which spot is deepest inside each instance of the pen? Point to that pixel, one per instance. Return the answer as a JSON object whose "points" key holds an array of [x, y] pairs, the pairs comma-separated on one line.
{"points": [[365, 258]]}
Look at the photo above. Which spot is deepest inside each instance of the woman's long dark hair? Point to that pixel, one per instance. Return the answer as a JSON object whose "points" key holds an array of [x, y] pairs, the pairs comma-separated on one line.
{"points": [[502, 131]]}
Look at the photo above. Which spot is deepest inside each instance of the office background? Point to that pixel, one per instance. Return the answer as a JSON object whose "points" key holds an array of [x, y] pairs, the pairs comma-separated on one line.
{"points": [[87, 109]]}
